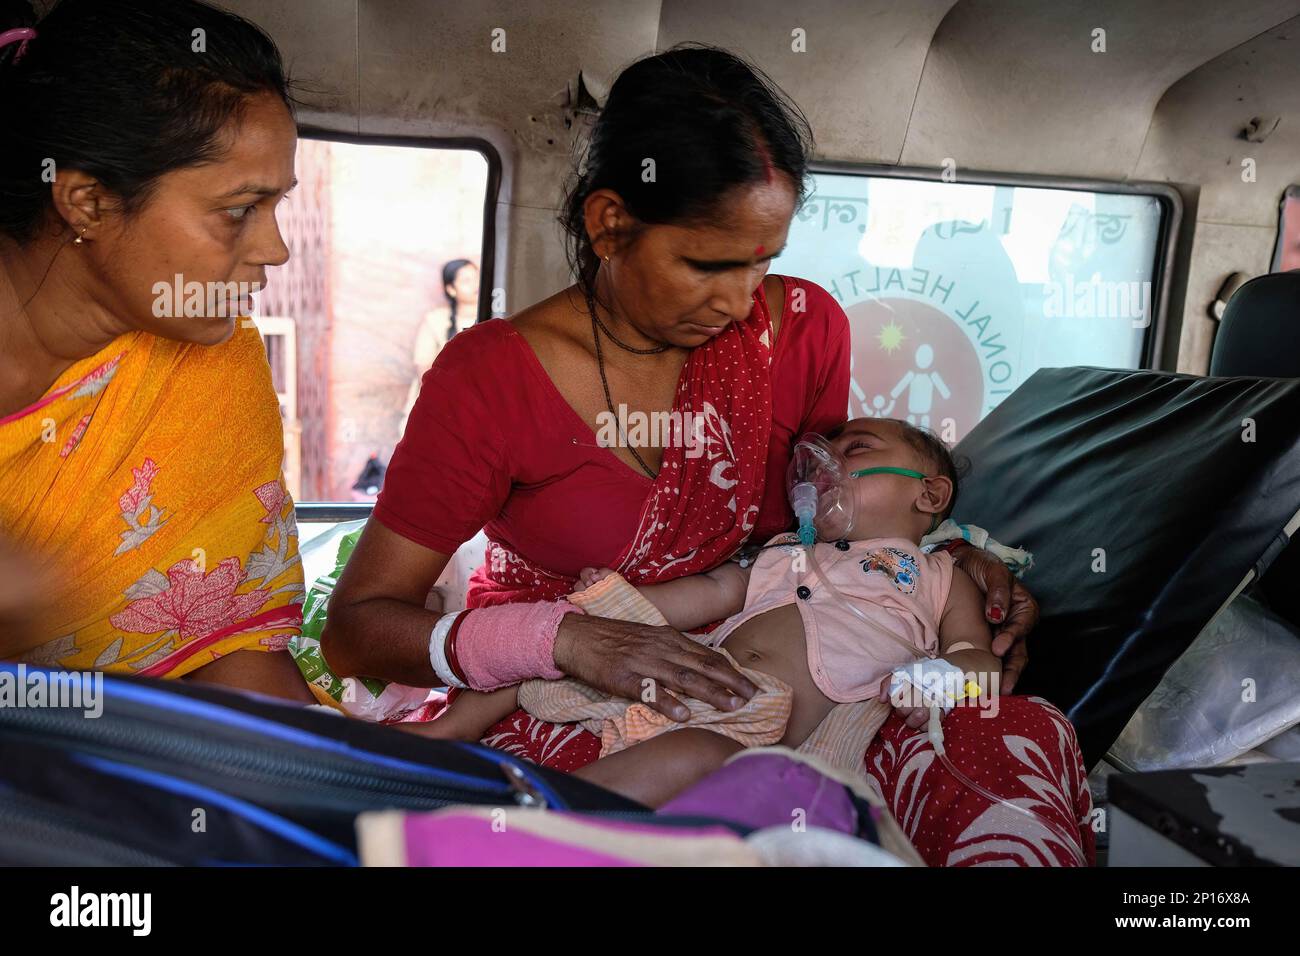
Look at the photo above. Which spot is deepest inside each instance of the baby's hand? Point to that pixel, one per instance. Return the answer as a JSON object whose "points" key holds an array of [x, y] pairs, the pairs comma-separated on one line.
{"points": [[589, 576], [905, 703]]}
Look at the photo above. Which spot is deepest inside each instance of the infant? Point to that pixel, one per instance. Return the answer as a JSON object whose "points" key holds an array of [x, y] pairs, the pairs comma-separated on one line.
{"points": [[811, 630]]}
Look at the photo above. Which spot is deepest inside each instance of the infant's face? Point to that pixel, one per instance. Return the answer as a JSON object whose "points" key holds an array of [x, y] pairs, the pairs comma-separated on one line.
{"points": [[879, 500]]}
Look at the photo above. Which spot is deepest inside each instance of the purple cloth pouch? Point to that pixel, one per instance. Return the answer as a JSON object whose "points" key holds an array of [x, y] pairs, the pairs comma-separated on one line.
{"points": [[767, 788], [486, 836]]}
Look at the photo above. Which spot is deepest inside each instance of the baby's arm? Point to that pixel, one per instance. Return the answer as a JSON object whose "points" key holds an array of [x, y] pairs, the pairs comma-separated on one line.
{"points": [[469, 716], [963, 624], [694, 600]]}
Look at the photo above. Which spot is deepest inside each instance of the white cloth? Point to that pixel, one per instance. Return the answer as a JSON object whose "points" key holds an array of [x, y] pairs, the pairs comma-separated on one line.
{"points": [[1017, 559]]}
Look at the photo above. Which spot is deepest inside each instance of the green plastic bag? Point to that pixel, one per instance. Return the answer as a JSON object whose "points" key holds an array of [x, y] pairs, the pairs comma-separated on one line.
{"points": [[362, 697]]}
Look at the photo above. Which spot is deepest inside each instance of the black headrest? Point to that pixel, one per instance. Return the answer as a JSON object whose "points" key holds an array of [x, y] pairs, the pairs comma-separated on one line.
{"points": [[1151, 476], [1260, 330]]}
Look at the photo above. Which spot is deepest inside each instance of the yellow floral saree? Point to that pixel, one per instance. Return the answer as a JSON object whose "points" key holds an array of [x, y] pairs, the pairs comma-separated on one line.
{"points": [[147, 484]]}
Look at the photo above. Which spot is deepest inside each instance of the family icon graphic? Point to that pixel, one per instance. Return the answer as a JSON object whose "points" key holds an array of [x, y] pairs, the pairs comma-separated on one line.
{"points": [[921, 386], [878, 407]]}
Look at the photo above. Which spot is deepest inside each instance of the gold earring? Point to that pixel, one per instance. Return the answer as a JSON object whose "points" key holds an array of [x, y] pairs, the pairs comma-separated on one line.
{"points": [[78, 240]]}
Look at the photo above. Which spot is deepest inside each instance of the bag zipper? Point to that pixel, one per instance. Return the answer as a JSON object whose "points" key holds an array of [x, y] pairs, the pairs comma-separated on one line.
{"points": [[277, 767], [423, 787]]}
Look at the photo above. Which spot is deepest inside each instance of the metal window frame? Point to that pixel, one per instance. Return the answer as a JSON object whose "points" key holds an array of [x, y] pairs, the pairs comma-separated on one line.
{"points": [[1171, 217], [331, 512]]}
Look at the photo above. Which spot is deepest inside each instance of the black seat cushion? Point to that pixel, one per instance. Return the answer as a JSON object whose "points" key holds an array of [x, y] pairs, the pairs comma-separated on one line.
{"points": [[1259, 333], [1152, 469]]}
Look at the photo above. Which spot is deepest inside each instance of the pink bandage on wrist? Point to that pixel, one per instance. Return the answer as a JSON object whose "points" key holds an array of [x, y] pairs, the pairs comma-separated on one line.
{"points": [[503, 645]]}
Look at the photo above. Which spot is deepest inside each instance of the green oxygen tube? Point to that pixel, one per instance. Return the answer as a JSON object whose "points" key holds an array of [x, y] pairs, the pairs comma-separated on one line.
{"points": [[890, 470]]}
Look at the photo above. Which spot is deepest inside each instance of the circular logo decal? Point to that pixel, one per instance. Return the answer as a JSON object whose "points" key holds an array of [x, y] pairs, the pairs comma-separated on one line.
{"points": [[914, 362]]}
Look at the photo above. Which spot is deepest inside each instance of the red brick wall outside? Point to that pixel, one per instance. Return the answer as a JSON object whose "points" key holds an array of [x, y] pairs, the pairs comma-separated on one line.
{"points": [[300, 290]]}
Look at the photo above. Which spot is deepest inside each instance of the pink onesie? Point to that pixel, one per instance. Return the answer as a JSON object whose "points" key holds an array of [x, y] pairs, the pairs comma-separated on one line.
{"points": [[891, 580]]}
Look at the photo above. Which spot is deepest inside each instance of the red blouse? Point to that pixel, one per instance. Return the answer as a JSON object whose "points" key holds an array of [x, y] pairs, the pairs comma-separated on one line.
{"points": [[492, 444]]}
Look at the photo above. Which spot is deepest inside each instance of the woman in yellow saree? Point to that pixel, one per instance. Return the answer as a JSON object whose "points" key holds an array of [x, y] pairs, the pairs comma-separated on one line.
{"points": [[173, 544], [140, 436]]}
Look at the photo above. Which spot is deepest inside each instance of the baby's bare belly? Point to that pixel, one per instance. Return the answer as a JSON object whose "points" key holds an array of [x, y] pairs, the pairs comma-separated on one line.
{"points": [[773, 642]]}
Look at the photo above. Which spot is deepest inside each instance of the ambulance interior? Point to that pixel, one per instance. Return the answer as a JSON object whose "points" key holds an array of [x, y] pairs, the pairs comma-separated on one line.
{"points": [[1066, 233]]}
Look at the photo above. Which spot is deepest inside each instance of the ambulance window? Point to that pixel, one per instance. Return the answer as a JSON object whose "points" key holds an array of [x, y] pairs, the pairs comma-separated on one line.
{"points": [[358, 312], [957, 292]]}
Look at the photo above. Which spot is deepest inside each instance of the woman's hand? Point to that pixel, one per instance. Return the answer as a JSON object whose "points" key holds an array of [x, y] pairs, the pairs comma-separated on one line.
{"points": [[647, 664], [1010, 608]]}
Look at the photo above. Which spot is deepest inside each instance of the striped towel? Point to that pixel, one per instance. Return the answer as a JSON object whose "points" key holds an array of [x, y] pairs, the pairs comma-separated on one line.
{"points": [[840, 740]]}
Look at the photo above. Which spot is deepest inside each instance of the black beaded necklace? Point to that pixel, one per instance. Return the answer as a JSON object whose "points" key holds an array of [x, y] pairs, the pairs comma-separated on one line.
{"points": [[598, 327]]}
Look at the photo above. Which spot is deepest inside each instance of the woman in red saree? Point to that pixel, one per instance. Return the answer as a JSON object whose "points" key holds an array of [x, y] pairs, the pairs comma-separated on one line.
{"points": [[671, 316]]}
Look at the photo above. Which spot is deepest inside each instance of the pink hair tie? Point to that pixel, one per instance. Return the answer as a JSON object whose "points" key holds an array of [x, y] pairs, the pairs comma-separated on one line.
{"points": [[19, 35]]}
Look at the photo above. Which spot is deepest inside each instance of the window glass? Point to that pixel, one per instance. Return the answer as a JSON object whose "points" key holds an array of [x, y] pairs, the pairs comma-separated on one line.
{"points": [[361, 309], [958, 292]]}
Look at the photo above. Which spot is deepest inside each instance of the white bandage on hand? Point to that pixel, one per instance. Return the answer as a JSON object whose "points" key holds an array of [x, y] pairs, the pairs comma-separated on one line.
{"points": [[438, 650], [941, 683]]}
